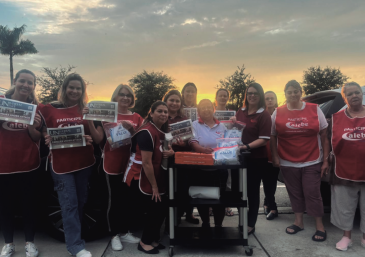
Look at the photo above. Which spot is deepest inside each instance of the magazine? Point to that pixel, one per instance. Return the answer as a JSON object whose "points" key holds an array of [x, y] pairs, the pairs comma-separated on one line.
{"points": [[67, 137], [102, 111], [182, 130], [16, 111], [224, 115], [191, 113]]}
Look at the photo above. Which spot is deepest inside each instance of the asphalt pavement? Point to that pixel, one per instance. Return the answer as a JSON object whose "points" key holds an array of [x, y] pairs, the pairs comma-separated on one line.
{"points": [[269, 240]]}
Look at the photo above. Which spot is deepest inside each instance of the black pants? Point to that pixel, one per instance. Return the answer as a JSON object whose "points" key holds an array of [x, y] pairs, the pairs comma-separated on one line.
{"points": [[269, 181], [155, 213], [183, 183], [215, 178], [120, 211], [255, 170], [23, 186]]}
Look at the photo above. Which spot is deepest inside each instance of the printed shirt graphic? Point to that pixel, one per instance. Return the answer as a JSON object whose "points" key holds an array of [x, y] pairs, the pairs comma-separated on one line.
{"points": [[297, 134], [115, 161], [14, 138], [348, 145], [69, 159]]}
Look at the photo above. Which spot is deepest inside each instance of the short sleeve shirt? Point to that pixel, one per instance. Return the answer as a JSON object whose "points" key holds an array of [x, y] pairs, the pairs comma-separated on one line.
{"points": [[258, 125], [205, 135]]}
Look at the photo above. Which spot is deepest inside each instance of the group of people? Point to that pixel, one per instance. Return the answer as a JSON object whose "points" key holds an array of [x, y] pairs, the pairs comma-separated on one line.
{"points": [[294, 138]]}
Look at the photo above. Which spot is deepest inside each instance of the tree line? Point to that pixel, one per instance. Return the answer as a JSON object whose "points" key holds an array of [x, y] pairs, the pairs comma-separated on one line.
{"points": [[151, 86]]}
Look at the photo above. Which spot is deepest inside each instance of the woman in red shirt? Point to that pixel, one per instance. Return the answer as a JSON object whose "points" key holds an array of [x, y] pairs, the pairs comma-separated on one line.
{"points": [[18, 173], [254, 137], [114, 164], [146, 177], [298, 144], [70, 167], [348, 179]]}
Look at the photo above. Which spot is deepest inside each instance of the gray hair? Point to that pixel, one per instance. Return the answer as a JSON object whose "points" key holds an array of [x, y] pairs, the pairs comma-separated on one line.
{"points": [[349, 84]]}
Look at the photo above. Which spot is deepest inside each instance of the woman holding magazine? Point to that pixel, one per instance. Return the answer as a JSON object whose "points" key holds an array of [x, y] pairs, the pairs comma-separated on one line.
{"points": [[19, 174], [70, 167], [115, 161]]}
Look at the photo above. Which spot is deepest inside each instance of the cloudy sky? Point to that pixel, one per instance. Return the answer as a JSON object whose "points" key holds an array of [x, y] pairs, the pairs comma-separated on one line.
{"points": [[200, 41]]}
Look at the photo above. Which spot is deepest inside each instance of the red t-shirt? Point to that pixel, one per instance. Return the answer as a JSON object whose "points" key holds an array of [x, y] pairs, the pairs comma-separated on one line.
{"points": [[258, 125]]}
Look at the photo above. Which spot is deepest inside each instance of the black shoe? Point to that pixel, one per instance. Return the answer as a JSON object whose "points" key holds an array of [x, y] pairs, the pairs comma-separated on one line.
{"points": [[272, 215], [251, 232], [191, 219], [153, 251], [266, 210], [160, 247]]}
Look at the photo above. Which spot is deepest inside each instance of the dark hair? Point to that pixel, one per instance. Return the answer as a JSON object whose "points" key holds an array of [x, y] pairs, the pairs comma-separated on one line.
{"points": [[205, 100], [32, 97], [189, 84], [148, 118], [276, 98], [293, 83], [260, 90], [216, 94], [171, 93]]}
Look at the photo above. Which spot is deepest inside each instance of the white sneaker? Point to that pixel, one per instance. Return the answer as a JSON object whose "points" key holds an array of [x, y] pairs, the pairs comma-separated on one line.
{"points": [[129, 238], [8, 250], [116, 244], [31, 250], [83, 253]]}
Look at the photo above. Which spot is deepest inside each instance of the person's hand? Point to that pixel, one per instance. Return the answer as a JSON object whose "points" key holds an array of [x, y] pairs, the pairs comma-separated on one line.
{"points": [[47, 140], [88, 139], [243, 147], [127, 124], [155, 194], [179, 142], [85, 110], [276, 162], [207, 150], [37, 121], [233, 119], [168, 153], [324, 169]]}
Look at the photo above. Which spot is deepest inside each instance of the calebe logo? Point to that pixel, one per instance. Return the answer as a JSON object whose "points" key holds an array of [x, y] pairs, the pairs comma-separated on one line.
{"points": [[354, 136], [14, 126], [298, 123], [70, 124]]}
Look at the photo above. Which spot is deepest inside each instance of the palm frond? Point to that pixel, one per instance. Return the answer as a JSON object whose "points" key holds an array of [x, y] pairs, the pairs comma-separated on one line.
{"points": [[24, 47]]}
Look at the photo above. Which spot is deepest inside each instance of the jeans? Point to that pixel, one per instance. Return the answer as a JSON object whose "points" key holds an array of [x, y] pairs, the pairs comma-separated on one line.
{"points": [[72, 195], [24, 185]]}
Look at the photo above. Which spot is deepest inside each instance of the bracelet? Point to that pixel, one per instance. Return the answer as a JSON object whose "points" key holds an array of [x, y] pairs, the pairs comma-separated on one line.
{"points": [[248, 147]]}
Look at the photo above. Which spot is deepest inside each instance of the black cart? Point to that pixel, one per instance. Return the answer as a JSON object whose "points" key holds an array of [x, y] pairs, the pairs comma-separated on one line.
{"points": [[197, 235]]}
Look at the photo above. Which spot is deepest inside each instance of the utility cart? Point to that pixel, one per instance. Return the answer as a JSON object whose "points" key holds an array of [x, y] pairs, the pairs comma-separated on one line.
{"points": [[211, 236]]}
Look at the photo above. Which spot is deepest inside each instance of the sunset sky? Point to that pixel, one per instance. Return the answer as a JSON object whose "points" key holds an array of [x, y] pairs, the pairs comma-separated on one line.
{"points": [[199, 41]]}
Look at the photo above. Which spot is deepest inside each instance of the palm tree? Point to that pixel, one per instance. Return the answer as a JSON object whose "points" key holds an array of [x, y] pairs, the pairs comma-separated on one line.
{"points": [[12, 45]]}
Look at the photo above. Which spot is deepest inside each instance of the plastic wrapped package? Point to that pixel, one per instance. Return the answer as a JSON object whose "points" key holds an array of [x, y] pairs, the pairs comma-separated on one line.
{"points": [[117, 135], [227, 142], [235, 131], [226, 155]]}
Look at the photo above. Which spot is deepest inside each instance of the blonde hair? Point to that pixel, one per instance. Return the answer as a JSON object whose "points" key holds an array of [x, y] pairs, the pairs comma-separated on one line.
{"points": [[32, 97], [128, 88], [62, 97]]}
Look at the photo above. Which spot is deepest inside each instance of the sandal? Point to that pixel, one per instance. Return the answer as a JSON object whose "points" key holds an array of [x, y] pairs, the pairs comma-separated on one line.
{"points": [[321, 234], [229, 212], [295, 228]]}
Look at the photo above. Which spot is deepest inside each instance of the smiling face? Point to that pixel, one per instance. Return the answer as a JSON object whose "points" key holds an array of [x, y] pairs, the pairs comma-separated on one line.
{"points": [[293, 95], [206, 110], [189, 95], [160, 115], [124, 98], [222, 98], [353, 96], [270, 100], [253, 96], [173, 103], [24, 85], [74, 91]]}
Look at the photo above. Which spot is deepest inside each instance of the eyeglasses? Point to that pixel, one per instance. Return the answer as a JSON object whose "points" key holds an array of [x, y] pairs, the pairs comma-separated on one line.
{"points": [[253, 94], [125, 95]]}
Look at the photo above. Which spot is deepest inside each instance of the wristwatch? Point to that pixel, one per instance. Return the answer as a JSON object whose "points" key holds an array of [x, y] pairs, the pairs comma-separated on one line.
{"points": [[248, 147]]}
